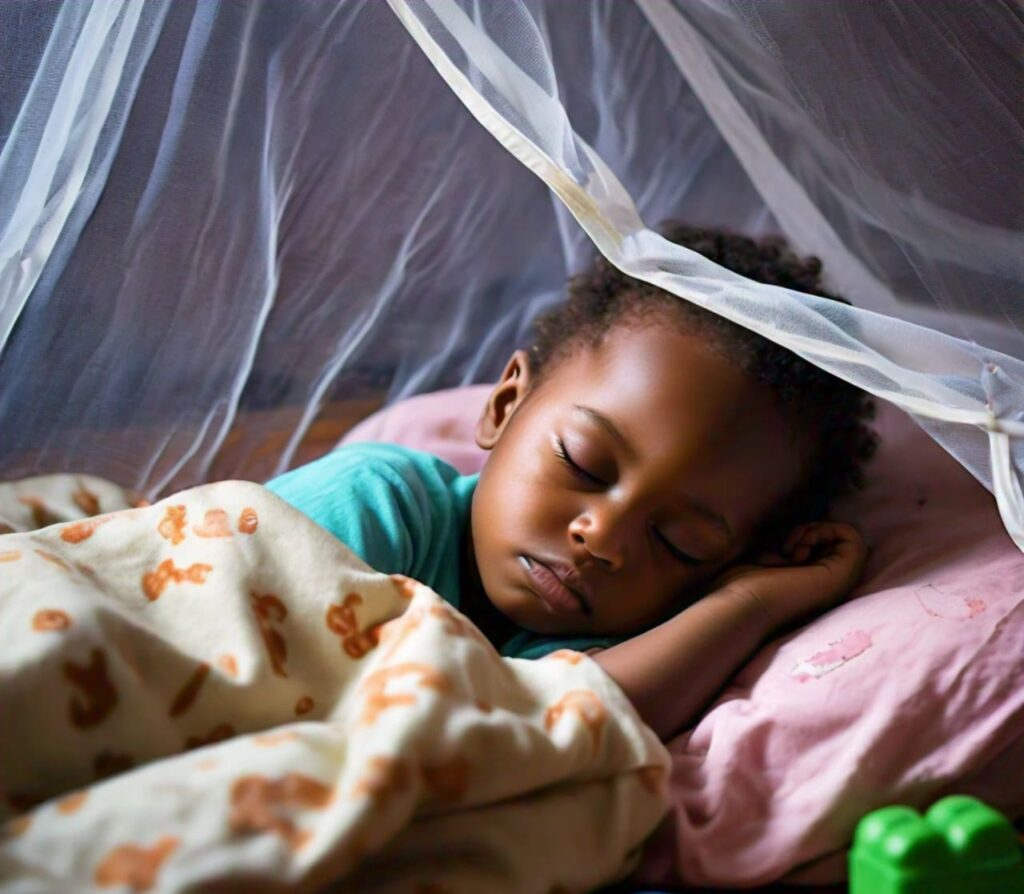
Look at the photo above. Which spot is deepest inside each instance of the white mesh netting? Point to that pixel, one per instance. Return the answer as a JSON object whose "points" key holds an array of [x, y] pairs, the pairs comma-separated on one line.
{"points": [[219, 220]]}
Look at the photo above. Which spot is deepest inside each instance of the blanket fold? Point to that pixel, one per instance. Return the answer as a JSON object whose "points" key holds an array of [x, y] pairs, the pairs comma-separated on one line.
{"points": [[213, 693]]}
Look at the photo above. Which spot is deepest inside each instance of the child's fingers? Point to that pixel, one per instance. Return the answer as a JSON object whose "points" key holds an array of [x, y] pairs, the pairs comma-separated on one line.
{"points": [[844, 550], [838, 533], [792, 538], [804, 540], [848, 548], [795, 536], [800, 543]]}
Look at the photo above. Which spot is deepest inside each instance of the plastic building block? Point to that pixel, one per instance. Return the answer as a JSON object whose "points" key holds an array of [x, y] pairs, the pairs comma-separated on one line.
{"points": [[960, 846]]}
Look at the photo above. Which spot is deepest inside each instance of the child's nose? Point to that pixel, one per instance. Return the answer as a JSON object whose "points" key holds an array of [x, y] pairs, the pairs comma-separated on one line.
{"points": [[602, 535]]}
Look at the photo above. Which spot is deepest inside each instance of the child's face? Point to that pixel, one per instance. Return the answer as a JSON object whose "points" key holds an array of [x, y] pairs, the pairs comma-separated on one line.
{"points": [[631, 474]]}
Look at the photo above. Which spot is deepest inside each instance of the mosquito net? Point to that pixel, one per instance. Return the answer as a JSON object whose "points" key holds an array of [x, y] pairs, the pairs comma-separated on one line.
{"points": [[224, 224]]}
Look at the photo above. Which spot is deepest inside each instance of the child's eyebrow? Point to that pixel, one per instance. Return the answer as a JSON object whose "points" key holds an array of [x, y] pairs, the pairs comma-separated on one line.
{"points": [[609, 426], [705, 512]]}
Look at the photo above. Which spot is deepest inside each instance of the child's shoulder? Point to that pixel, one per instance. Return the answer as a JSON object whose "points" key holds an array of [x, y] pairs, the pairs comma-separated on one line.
{"points": [[377, 456], [392, 464], [394, 507]]}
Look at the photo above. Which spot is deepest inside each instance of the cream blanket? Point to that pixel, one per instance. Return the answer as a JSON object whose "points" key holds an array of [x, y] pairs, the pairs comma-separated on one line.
{"points": [[212, 693]]}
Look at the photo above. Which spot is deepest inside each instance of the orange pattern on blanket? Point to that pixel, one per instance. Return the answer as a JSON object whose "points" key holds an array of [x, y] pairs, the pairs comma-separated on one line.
{"points": [[392, 634], [41, 515], [187, 694], [651, 778], [304, 705], [453, 624], [134, 865], [260, 804], [375, 686], [86, 500], [565, 655], [215, 524], [52, 559], [227, 663], [98, 695], [11, 555], [172, 525], [248, 521], [341, 621], [384, 778], [83, 530], [583, 703], [447, 781], [270, 610], [219, 733], [155, 582], [279, 737], [72, 803], [406, 586], [50, 619]]}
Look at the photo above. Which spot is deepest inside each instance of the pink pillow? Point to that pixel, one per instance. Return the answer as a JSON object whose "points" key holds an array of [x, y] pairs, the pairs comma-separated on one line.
{"points": [[912, 691], [441, 423]]}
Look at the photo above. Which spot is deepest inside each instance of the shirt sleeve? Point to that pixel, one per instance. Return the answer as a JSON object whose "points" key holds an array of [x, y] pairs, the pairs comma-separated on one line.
{"points": [[368, 499]]}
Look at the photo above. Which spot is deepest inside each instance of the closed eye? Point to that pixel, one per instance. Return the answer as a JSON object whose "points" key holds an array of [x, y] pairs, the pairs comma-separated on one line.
{"points": [[574, 467], [563, 455], [675, 552]]}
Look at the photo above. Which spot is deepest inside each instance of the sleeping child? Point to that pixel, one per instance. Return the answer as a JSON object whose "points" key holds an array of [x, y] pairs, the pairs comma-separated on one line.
{"points": [[654, 491]]}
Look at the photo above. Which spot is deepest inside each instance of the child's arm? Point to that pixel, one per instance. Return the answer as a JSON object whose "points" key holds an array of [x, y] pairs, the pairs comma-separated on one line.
{"points": [[672, 671]]}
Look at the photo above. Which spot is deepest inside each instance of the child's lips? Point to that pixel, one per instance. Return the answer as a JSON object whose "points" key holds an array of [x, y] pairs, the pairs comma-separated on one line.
{"points": [[553, 591]]}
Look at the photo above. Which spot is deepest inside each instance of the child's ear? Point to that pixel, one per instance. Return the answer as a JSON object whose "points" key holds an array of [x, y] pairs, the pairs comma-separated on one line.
{"points": [[507, 395]]}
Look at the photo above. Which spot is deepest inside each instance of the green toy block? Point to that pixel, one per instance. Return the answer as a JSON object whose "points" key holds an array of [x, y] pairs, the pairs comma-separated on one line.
{"points": [[960, 846]]}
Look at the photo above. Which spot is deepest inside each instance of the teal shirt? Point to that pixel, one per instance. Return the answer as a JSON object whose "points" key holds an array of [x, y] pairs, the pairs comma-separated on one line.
{"points": [[403, 512]]}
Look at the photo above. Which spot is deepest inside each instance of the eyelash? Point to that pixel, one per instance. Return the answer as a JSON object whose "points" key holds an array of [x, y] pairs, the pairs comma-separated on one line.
{"points": [[579, 472], [676, 553]]}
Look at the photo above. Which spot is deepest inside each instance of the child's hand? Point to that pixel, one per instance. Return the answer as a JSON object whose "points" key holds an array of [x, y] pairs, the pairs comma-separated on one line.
{"points": [[818, 565]]}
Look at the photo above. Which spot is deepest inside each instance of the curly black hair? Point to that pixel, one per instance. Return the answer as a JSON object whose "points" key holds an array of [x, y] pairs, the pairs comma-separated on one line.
{"points": [[833, 413]]}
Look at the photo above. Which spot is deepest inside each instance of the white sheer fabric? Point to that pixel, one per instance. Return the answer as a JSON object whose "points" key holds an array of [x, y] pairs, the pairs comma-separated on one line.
{"points": [[221, 210], [284, 206], [967, 394]]}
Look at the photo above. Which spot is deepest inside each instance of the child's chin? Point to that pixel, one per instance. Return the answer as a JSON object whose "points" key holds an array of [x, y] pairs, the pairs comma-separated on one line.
{"points": [[537, 619]]}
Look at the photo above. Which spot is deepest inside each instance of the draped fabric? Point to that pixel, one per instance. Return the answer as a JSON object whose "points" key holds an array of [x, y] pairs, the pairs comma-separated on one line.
{"points": [[215, 213]]}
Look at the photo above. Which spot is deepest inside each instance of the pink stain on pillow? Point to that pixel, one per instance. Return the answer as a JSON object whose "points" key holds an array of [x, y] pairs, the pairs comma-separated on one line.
{"points": [[835, 656], [955, 604]]}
